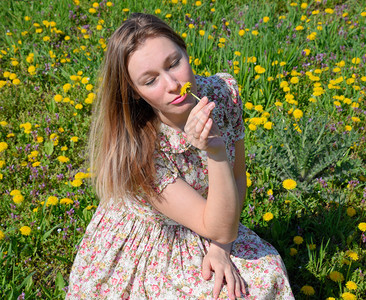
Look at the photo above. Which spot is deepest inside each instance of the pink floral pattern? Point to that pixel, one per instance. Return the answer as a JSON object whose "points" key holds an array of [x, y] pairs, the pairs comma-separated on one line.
{"points": [[135, 252]]}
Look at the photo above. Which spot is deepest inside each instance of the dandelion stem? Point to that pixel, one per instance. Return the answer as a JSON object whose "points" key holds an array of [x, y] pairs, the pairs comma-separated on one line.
{"points": [[195, 96], [302, 203]]}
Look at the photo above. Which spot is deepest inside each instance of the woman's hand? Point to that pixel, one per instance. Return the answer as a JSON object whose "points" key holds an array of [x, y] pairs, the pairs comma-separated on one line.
{"points": [[218, 260], [200, 129]]}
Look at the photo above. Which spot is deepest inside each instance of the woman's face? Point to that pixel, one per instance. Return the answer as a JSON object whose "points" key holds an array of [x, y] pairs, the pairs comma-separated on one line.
{"points": [[158, 69]]}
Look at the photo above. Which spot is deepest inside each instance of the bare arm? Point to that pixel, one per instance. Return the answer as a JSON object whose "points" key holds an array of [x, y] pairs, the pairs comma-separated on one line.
{"points": [[217, 217], [218, 257], [240, 171]]}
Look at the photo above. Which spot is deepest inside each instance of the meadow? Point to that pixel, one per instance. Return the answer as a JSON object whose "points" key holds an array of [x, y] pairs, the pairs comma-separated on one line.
{"points": [[301, 71]]}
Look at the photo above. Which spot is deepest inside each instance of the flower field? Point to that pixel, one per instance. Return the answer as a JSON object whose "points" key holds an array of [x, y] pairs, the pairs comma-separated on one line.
{"points": [[301, 70]]}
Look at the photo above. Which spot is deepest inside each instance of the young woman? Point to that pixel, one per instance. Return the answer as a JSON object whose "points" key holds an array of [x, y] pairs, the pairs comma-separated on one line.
{"points": [[170, 174]]}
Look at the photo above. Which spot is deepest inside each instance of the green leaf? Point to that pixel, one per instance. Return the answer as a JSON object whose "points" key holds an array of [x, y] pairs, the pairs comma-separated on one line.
{"points": [[48, 147], [47, 234], [60, 282]]}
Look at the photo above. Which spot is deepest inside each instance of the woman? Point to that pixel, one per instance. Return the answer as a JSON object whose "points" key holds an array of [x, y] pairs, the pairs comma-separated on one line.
{"points": [[170, 174]]}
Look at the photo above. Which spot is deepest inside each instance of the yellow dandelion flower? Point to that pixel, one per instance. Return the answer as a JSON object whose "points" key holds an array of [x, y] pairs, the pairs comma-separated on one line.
{"points": [[3, 146], [32, 70], [186, 88], [252, 127], [294, 80], [268, 125], [362, 226], [348, 128], [353, 255], [76, 182], [58, 98], [66, 201], [16, 81], [18, 199], [348, 296], [293, 251], [312, 246], [267, 216], [259, 69], [249, 105], [2, 235], [351, 285], [298, 240], [258, 108], [63, 159], [298, 114], [289, 184], [351, 211], [308, 290], [51, 200], [15, 192], [336, 276], [25, 230]]}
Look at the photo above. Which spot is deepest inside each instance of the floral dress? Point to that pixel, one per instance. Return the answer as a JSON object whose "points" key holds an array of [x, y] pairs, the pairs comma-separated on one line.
{"points": [[135, 252]]}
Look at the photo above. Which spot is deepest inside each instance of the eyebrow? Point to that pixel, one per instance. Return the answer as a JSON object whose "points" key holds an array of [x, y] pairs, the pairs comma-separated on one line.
{"points": [[168, 58]]}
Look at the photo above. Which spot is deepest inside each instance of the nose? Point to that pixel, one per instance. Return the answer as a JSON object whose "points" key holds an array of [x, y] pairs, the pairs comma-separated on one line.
{"points": [[172, 84]]}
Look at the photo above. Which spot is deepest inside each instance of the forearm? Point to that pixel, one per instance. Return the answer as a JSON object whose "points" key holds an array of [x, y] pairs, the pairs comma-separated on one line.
{"points": [[242, 188], [222, 212]]}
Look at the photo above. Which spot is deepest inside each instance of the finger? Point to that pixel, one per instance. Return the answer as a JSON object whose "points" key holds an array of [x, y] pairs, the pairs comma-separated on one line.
{"points": [[206, 269], [206, 130], [219, 279], [242, 285], [204, 115], [196, 125], [199, 106], [239, 286], [230, 284]]}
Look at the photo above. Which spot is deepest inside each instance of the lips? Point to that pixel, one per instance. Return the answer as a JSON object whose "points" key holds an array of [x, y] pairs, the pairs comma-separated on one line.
{"points": [[179, 99]]}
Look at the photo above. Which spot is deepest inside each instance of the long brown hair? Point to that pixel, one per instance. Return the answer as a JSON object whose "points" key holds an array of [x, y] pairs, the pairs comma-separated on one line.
{"points": [[123, 134]]}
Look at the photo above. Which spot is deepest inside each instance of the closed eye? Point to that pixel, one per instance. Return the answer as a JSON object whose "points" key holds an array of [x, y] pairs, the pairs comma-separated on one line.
{"points": [[175, 63], [149, 82]]}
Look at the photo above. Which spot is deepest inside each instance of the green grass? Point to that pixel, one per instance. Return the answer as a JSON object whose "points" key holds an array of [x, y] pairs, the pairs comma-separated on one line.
{"points": [[227, 36]]}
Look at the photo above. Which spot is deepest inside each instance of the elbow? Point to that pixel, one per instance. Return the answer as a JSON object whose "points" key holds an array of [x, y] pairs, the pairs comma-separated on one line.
{"points": [[226, 238]]}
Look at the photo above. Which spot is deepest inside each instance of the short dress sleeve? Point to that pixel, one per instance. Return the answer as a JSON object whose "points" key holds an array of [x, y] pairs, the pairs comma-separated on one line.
{"points": [[234, 107], [166, 171], [222, 89]]}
